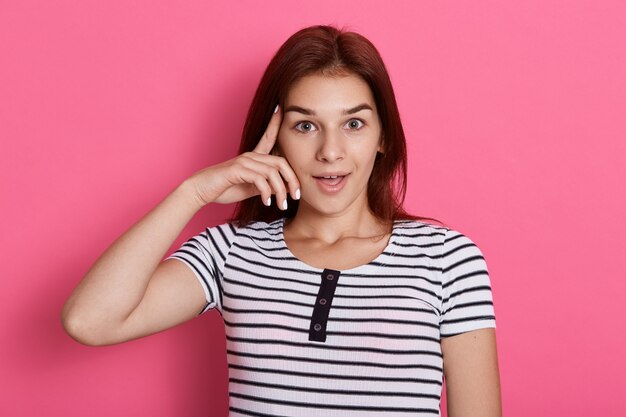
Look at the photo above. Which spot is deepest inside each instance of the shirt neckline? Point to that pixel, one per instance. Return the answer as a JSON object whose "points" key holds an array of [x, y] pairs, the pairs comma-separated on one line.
{"points": [[385, 252]]}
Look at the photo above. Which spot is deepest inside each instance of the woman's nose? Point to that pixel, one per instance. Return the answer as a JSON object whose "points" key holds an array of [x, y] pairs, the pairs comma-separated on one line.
{"points": [[331, 147]]}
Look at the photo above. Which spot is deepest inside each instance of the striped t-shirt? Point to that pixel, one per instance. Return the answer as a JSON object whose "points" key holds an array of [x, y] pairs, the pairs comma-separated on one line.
{"points": [[310, 342]]}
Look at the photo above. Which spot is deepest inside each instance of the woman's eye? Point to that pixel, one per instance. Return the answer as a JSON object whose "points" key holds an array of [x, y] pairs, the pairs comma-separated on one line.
{"points": [[305, 127], [355, 124]]}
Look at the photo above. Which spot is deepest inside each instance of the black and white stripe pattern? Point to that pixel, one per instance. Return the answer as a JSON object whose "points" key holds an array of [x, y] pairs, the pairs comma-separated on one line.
{"points": [[382, 353]]}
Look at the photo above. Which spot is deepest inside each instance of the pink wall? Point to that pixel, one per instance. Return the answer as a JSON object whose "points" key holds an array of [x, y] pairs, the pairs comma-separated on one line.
{"points": [[516, 117]]}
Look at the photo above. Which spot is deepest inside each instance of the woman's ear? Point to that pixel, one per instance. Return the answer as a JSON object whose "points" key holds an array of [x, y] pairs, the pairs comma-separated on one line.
{"points": [[381, 145]]}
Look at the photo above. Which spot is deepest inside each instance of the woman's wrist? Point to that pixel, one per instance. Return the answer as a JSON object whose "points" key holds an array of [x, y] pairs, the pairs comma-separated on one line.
{"points": [[188, 191]]}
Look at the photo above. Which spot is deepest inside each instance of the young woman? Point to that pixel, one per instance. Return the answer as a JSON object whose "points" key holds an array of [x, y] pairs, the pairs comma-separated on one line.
{"points": [[336, 301]]}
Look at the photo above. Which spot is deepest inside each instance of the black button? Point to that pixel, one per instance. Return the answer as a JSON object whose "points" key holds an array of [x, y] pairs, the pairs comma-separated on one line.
{"points": [[330, 277], [322, 301], [317, 327]]}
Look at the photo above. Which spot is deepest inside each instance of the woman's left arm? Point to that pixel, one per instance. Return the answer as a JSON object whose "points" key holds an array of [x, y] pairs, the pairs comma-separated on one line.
{"points": [[470, 366]]}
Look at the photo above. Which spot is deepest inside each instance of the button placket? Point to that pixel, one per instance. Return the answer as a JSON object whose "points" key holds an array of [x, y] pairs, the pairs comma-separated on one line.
{"points": [[321, 309]]}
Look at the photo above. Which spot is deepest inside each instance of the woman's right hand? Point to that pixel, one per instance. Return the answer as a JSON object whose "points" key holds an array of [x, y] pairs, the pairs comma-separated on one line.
{"points": [[249, 174], [130, 291]]}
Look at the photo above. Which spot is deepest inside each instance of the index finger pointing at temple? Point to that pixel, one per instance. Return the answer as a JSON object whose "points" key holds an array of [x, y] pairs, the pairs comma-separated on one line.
{"points": [[268, 139]]}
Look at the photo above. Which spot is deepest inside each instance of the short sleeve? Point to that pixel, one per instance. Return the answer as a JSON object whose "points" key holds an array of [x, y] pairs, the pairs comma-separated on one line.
{"points": [[205, 254], [467, 302]]}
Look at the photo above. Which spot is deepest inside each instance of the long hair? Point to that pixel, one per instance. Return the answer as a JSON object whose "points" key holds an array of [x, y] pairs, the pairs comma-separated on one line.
{"points": [[331, 51]]}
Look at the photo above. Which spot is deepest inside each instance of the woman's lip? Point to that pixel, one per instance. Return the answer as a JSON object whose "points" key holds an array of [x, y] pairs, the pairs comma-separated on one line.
{"points": [[331, 185], [332, 174]]}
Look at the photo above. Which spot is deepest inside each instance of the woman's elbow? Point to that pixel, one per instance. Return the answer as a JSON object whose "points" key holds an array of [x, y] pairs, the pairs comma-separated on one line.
{"points": [[77, 328]]}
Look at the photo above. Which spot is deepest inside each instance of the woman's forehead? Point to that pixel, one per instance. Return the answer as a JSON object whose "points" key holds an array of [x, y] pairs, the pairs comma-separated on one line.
{"points": [[337, 93]]}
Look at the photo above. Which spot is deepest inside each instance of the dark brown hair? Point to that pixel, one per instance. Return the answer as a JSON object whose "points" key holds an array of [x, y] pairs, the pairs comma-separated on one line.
{"points": [[331, 51]]}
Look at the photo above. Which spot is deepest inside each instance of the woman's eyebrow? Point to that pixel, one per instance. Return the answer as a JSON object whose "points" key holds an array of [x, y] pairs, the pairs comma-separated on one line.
{"points": [[358, 108], [310, 112]]}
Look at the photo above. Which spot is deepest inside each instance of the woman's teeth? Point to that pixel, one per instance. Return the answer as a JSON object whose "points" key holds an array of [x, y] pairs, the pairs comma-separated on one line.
{"points": [[331, 179]]}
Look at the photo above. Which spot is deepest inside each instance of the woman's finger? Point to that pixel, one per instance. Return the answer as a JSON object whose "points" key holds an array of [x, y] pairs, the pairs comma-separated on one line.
{"points": [[278, 187], [259, 181], [267, 141], [276, 171], [286, 172], [288, 176]]}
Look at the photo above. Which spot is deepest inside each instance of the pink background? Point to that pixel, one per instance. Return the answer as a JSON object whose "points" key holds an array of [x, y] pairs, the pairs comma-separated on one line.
{"points": [[515, 114]]}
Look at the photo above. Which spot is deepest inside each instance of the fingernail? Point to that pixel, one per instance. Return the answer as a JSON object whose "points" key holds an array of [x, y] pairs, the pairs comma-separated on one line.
{"points": [[276, 108], [284, 204], [269, 201], [298, 194]]}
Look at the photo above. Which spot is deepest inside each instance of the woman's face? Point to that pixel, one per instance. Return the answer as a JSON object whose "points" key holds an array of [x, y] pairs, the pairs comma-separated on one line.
{"points": [[330, 134]]}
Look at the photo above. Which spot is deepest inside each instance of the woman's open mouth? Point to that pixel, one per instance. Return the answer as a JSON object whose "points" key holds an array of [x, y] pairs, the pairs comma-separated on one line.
{"points": [[331, 183]]}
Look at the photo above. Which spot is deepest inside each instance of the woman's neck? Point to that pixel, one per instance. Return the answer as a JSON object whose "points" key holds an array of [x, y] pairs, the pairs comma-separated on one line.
{"points": [[331, 229]]}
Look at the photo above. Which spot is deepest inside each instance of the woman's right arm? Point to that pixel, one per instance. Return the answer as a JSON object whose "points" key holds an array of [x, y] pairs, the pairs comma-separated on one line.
{"points": [[105, 306], [130, 292]]}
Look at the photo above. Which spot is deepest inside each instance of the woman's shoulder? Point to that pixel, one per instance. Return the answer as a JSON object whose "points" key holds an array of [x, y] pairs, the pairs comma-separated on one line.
{"points": [[455, 252], [255, 228], [420, 230]]}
